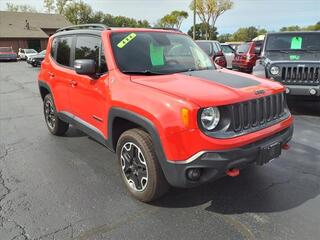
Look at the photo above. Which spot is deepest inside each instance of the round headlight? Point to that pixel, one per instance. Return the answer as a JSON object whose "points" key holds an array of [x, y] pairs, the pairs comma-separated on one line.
{"points": [[210, 118], [274, 70]]}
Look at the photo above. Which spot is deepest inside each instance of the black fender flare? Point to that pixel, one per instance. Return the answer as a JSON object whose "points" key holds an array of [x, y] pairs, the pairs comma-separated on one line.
{"points": [[43, 84], [148, 126]]}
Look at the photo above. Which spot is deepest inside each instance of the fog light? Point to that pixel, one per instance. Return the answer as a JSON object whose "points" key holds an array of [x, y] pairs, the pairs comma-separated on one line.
{"points": [[287, 90], [193, 174], [312, 91]]}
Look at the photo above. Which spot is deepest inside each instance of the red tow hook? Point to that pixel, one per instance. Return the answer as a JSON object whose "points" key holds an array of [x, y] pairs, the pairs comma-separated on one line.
{"points": [[285, 146], [234, 172]]}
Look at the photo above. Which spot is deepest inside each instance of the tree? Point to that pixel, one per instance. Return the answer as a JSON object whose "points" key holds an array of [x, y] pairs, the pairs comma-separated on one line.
{"points": [[201, 32], [290, 28], [20, 8], [78, 12], [61, 5], [247, 34], [210, 10], [49, 5], [225, 38], [173, 19]]}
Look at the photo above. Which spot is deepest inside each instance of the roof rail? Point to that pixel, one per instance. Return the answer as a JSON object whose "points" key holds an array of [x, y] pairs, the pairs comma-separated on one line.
{"points": [[168, 28], [85, 26]]}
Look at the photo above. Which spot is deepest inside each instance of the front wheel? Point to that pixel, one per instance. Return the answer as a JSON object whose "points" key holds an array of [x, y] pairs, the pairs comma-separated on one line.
{"points": [[139, 166]]}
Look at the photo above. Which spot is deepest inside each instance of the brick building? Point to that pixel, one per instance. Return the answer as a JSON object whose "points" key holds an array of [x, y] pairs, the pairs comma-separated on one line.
{"points": [[28, 30]]}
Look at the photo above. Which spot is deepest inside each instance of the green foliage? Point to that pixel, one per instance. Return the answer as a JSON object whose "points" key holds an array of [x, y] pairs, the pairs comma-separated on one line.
{"points": [[78, 12], [20, 8], [247, 34], [61, 5], [201, 32], [225, 38], [315, 27], [173, 19]]}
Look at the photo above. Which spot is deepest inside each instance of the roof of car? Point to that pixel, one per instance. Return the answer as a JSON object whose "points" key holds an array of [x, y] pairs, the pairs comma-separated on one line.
{"points": [[98, 28], [295, 32]]}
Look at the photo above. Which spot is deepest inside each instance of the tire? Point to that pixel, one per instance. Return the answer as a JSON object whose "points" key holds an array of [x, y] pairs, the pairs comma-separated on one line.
{"points": [[145, 180], [55, 125]]}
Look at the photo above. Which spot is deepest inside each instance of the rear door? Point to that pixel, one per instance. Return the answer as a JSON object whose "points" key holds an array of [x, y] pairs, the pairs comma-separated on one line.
{"points": [[90, 95], [60, 71]]}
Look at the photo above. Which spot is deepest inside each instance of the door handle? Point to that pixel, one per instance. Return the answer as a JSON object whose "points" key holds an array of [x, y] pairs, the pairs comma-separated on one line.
{"points": [[73, 83], [51, 74]]}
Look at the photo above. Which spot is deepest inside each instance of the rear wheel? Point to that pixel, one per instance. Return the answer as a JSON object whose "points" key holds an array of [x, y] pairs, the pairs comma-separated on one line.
{"points": [[139, 166], [55, 125]]}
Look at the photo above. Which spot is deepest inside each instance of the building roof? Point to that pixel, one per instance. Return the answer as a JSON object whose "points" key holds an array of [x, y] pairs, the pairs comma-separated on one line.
{"points": [[13, 24]]}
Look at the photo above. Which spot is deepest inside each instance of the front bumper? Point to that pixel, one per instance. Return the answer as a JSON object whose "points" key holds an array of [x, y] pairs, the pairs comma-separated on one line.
{"points": [[297, 90], [213, 165]]}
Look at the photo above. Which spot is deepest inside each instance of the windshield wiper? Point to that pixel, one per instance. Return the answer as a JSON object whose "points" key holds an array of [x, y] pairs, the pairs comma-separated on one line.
{"points": [[145, 72], [277, 50]]}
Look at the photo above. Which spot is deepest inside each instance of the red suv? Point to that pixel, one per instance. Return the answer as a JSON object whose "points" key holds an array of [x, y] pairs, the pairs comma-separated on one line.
{"points": [[246, 56], [155, 98], [214, 51]]}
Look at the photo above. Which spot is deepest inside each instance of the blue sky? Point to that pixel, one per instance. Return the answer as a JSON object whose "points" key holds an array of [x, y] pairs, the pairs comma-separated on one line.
{"points": [[269, 14]]}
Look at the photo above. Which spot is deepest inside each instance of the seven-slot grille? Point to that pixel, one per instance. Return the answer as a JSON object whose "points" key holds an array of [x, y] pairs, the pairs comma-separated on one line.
{"points": [[300, 75], [257, 112]]}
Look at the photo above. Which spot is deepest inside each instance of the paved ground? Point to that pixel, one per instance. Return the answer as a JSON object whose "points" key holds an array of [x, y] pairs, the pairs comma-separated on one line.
{"points": [[69, 187]]}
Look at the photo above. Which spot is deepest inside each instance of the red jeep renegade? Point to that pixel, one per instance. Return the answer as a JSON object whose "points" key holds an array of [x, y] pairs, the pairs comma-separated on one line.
{"points": [[155, 98]]}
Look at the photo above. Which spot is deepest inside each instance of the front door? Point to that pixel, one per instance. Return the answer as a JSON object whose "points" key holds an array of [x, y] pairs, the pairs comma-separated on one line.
{"points": [[90, 96]]}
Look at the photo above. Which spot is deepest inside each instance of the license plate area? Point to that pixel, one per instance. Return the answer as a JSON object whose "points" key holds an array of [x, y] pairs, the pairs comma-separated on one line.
{"points": [[269, 152]]}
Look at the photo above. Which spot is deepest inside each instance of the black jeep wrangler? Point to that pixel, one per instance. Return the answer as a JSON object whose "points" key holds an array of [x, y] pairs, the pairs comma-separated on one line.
{"points": [[292, 58]]}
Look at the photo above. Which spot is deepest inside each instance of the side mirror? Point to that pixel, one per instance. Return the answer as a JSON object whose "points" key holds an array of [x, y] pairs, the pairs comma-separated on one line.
{"points": [[257, 50], [85, 66]]}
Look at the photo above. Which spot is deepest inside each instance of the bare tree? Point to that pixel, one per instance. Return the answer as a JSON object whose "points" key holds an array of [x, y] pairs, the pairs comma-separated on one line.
{"points": [[49, 6], [210, 10]]}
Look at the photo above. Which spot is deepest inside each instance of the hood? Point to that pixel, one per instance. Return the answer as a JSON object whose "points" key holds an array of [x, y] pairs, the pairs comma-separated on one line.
{"points": [[7, 53], [211, 87], [293, 56], [31, 54]]}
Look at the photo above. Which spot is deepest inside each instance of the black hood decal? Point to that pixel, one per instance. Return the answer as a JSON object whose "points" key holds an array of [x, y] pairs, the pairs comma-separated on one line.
{"points": [[227, 79]]}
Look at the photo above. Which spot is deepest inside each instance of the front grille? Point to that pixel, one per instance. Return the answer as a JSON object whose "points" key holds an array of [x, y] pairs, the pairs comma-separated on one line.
{"points": [[257, 113], [297, 75]]}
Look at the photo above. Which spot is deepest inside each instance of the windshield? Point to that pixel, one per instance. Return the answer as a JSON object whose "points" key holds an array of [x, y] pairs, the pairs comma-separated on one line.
{"points": [[227, 49], [157, 53], [30, 51], [6, 49], [293, 42], [243, 48], [42, 52]]}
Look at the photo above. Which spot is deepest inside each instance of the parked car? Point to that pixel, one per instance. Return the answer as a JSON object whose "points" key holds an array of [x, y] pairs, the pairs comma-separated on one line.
{"points": [[7, 54], [246, 56], [36, 60], [24, 53], [214, 51], [293, 59], [172, 117], [228, 52], [235, 45]]}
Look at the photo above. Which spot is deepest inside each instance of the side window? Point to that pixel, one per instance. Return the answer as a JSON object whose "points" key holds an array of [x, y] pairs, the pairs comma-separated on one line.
{"points": [[89, 47], [63, 52], [54, 48], [215, 48]]}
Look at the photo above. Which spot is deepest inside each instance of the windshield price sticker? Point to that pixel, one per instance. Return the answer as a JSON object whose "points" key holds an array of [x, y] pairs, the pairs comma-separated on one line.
{"points": [[296, 43], [126, 40]]}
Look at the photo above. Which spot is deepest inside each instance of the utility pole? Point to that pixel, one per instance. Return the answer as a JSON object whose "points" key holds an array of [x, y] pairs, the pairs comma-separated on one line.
{"points": [[194, 18]]}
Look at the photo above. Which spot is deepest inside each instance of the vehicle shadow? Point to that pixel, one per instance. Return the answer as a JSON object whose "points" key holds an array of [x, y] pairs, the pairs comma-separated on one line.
{"points": [[74, 132], [303, 106], [284, 184]]}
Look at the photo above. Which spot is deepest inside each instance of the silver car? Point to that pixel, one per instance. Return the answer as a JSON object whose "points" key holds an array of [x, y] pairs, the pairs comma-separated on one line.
{"points": [[228, 53]]}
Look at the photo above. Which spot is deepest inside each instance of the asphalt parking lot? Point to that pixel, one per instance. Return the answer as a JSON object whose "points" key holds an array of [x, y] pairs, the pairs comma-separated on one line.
{"points": [[70, 188]]}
